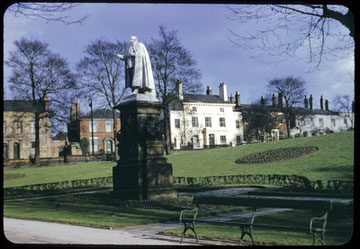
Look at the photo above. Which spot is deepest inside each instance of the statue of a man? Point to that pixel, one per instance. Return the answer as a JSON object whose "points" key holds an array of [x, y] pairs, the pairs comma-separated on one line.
{"points": [[138, 71]]}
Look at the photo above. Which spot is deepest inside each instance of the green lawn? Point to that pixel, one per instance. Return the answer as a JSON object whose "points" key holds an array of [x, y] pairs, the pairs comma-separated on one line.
{"points": [[74, 171], [333, 161]]}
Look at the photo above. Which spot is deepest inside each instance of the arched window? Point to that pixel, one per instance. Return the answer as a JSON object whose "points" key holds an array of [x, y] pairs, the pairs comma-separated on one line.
{"points": [[108, 146], [6, 152], [16, 150]]}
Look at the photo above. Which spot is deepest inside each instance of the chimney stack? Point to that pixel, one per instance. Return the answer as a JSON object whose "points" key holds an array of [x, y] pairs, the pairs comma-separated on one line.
{"points": [[274, 100], [262, 100], [327, 105], [232, 100], [223, 91], [46, 100], [78, 109], [208, 90], [321, 103], [72, 112], [306, 102], [237, 98], [311, 102], [179, 90], [280, 99]]}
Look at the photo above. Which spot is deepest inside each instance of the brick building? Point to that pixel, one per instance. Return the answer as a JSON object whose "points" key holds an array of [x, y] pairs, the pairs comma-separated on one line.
{"points": [[79, 129]]}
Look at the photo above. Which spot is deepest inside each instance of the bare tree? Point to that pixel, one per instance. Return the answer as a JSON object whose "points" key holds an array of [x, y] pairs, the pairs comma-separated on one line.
{"points": [[41, 76], [344, 104], [291, 90], [172, 62], [288, 29], [102, 73], [46, 11]]}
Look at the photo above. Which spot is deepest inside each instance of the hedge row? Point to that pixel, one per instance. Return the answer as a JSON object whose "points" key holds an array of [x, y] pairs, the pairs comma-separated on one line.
{"points": [[289, 182], [57, 186]]}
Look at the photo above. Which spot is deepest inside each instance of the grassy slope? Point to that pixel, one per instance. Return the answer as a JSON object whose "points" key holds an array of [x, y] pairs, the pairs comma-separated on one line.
{"points": [[334, 160]]}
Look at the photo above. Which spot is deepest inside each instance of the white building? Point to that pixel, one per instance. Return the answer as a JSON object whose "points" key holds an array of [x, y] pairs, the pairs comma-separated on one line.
{"points": [[322, 120], [202, 121], [206, 120]]}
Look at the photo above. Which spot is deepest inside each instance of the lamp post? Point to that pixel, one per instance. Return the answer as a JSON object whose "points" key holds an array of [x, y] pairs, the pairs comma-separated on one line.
{"points": [[92, 124]]}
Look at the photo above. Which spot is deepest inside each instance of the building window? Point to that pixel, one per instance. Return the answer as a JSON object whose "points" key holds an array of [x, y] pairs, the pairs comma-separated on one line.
{"points": [[223, 139], [194, 121], [32, 127], [108, 144], [333, 122], [321, 122], [237, 124], [194, 109], [108, 125], [312, 121], [238, 140], [222, 122], [5, 151], [16, 150], [177, 123], [96, 144], [207, 121], [222, 109], [95, 126], [32, 148], [18, 126]]}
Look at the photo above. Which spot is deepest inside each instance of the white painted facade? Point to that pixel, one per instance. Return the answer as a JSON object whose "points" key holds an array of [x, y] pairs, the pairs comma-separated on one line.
{"points": [[202, 124], [323, 123]]}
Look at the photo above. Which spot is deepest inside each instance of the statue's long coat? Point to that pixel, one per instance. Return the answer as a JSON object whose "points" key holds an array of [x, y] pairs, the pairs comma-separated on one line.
{"points": [[139, 61]]}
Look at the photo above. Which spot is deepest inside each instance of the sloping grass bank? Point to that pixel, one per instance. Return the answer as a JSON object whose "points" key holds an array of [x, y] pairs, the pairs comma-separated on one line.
{"points": [[333, 161]]}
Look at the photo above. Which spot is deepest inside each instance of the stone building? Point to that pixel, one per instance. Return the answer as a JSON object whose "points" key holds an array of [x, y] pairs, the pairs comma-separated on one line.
{"points": [[19, 131], [79, 129]]}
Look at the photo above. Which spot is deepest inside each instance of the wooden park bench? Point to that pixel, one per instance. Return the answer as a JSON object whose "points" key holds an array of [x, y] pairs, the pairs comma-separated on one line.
{"points": [[189, 217]]}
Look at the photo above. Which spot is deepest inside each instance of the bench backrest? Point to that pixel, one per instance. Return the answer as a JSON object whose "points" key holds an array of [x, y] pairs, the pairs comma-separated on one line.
{"points": [[265, 202]]}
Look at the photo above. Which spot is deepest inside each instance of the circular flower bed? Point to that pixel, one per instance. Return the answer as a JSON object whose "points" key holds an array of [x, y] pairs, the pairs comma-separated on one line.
{"points": [[276, 155]]}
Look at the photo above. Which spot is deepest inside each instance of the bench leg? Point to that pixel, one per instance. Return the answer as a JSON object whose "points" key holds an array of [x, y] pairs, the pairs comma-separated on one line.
{"points": [[319, 237], [246, 230], [191, 226]]}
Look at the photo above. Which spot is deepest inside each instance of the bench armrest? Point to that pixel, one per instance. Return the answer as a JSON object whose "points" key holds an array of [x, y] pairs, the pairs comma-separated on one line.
{"points": [[195, 210], [323, 219]]}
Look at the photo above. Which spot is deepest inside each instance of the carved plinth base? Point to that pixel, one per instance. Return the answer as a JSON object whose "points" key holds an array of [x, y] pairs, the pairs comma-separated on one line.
{"points": [[143, 180], [142, 172]]}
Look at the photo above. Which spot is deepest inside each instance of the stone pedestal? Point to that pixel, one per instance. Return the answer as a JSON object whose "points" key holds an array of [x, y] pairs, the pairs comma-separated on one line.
{"points": [[142, 172]]}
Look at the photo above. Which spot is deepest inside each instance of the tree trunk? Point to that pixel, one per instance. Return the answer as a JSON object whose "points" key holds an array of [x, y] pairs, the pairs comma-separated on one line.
{"points": [[167, 130], [37, 138]]}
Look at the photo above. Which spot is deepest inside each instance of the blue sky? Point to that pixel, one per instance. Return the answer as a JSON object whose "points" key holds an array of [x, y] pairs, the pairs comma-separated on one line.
{"points": [[202, 29]]}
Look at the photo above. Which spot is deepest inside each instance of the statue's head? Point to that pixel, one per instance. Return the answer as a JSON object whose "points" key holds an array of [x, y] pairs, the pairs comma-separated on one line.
{"points": [[133, 40]]}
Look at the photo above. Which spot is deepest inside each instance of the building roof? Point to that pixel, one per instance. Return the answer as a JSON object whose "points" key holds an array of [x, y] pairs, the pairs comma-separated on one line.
{"points": [[60, 136], [100, 114], [201, 98], [277, 108], [20, 106]]}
